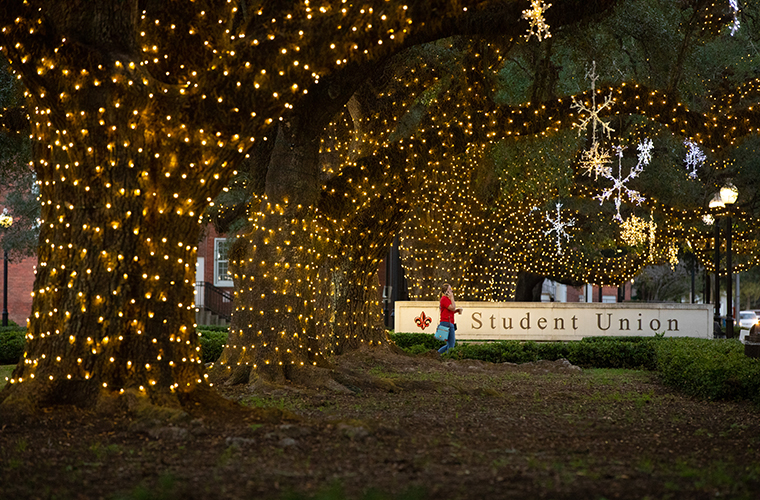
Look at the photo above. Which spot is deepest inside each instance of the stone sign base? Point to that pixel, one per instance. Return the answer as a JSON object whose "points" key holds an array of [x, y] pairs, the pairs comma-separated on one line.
{"points": [[557, 321]]}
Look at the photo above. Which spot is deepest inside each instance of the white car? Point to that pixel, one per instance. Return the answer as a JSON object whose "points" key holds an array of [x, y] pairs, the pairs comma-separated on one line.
{"points": [[746, 320]]}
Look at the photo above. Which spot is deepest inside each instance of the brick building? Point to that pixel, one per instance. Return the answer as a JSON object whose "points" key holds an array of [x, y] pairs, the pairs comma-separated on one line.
{"points": [[20, 286]]}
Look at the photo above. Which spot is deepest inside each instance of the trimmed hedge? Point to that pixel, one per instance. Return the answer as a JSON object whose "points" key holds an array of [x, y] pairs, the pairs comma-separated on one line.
{"points": [[408, 340], [11, 344], [709, 369], [12, 339], [596, 353], [705, 368]]}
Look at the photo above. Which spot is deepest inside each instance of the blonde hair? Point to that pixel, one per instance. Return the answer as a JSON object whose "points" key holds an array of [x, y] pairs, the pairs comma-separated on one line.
{"points": [[444, 287]]}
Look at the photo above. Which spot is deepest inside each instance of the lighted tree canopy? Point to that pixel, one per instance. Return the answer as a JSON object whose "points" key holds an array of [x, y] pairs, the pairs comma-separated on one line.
{"points": [[445, 148], [141, 112]]}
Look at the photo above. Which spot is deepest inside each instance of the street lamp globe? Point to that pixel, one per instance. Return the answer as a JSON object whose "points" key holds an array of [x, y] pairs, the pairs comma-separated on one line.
{"points": [[729, 194], [716, 201], [5, 219]]}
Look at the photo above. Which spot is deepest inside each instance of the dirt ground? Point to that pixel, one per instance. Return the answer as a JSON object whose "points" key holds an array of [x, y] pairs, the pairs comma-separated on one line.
{"points": [[406, 427]]}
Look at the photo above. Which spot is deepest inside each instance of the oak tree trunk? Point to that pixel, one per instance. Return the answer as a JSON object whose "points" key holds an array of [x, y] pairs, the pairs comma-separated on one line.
{"points": [[113, 305], [275, 267]]}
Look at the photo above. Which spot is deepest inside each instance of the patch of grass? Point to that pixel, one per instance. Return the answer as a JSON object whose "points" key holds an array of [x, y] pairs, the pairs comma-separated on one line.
{"points": [[22, 445], [101, 451], [165, 489], [378, 371], [617, 376], [5, 371], [336, 492], [272, 402]]}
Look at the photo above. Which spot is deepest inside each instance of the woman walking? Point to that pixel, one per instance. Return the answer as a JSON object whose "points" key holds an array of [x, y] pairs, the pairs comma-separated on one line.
{"points": [[448, 309]]}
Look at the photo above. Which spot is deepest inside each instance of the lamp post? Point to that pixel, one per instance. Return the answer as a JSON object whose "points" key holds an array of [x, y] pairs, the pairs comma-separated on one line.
{"points": [[716, 203], [729, 194], [5, 221]]}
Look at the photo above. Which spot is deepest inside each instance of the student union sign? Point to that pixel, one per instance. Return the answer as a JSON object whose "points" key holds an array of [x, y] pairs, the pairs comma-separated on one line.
{"points": [[552, 321]]}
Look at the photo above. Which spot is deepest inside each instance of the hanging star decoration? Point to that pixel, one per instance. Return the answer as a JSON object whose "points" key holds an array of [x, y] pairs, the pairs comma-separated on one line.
{"points": [[559, 227], [535, 16], [634, 231], [596, 159], [695, 158], [734, 4], [619, 188]]}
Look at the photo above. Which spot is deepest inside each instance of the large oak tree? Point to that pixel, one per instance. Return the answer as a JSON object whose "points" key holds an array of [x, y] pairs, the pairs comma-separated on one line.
{"points": [[140, 112]]}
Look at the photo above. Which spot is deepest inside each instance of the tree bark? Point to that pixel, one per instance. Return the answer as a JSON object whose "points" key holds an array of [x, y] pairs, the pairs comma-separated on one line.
{"points": [[113, 305], [140, 124], [275, 266]]}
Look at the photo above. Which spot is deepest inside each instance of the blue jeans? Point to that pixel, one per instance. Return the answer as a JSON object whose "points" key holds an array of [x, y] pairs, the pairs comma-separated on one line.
{"points": [[452, 338]]}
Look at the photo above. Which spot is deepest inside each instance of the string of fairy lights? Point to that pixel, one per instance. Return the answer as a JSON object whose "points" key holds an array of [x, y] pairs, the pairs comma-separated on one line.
{"points": [[418, 160], [500, 236], [140, 168]]}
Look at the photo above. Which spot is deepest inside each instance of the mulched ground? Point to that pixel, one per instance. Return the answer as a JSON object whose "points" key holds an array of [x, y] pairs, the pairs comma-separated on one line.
{"points": [[406, 427]]}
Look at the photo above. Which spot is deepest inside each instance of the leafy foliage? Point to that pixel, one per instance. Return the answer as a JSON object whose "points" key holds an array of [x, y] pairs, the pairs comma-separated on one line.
{"points": [[17, 180], [409, 340], [212, 340], [603, 353], [709, 369], [11, 344]]}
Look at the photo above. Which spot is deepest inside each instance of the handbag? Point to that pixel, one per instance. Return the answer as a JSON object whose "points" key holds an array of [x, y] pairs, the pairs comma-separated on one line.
{"points": [[442, 332]]}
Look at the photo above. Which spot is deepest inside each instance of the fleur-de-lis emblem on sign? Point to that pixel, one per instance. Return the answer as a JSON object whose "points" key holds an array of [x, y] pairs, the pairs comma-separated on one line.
{"points": [[423, 320]]}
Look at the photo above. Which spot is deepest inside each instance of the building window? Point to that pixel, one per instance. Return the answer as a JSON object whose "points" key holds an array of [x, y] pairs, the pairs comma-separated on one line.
{"points": [[222, 276]]}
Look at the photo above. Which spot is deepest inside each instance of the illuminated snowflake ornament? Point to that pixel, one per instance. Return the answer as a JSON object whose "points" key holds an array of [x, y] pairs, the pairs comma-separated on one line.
{"points": [[734, 4], [619, 188], [594, 110], [695, 158], [559, 227], [535, 16], [595, 160], [645, 151]]}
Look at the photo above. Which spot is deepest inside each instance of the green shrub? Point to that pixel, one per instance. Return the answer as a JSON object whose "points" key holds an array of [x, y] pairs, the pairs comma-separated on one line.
{"points": [[611, 353], [705, 368], [212, 342], [12, 339], [615, 352], [710, 369], [417, 349], [407, 340], [11, 344]]}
